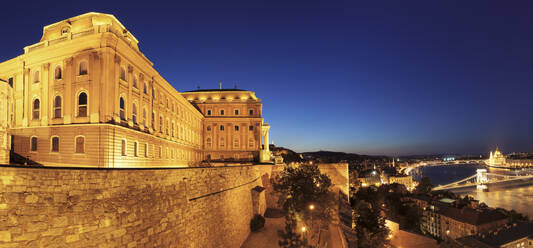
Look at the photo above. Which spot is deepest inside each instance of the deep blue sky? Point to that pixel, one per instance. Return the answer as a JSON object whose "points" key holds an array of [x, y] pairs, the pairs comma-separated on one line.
{"points": [[371, 77]]}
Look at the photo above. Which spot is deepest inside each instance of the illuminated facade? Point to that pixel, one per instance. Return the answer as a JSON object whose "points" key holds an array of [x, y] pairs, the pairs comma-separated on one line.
{"points": [[6, 117], [233, 126], [496, 158], [86, 96]]}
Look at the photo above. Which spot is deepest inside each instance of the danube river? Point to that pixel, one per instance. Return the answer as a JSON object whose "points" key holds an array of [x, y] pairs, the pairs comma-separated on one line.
{"points": [[517, 198]]}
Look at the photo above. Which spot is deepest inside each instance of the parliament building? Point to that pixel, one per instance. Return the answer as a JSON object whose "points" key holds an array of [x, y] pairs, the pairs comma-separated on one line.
{"points": [[86, 96]]}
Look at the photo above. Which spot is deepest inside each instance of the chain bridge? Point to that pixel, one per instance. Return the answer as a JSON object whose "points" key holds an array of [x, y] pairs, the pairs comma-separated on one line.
{"points": [[482, 179]]}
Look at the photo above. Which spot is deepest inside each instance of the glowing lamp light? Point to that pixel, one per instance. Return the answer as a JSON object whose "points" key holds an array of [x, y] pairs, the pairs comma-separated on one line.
{"points": [[390, 236], [311, 207], [364, 184], [304, 229]]}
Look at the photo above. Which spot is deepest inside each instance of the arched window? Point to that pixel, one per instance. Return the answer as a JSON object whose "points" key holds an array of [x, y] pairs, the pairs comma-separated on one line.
{"points": [[122, 105], [33, 142], [36, 109], [236, 128], [36, 77], [208, 128], [123, 147], [134, 82], [135, 149], [144, 117], [134, 113], [251, 112], [250, 128], [82, 104], [236, 112], [55, 144], [166, 127], [57, 107], [123, 73], [145, 150], [145, 89], [58, 72], [221, 112], [160, 124], [221, 127], [83, 68], [80, 144]]}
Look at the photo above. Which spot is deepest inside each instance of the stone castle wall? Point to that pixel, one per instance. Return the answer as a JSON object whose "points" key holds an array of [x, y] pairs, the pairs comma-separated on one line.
{"points": [[179, 207]]}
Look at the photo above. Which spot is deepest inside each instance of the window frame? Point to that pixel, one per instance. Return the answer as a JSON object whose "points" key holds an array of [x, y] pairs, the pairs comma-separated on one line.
{"points": [[52, 144], [79, 106], [76, 144], [32, 143], [80, 71]]}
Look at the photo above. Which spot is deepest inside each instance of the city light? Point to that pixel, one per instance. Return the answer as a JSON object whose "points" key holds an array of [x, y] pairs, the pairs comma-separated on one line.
{"points": [[311, 207], [304, 229]]}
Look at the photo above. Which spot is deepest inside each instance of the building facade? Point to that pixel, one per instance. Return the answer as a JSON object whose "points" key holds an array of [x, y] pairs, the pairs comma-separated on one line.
{"points": [[85, 95], [233, 126]]}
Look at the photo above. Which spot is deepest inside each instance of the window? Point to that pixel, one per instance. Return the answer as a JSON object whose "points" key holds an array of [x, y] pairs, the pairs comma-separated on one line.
{"points": [[58, 73], [134, 113], [236, 112], [83, 68], [221, 112], [222, 142], [10, 81], [80, 144], [160, 124], [160, 152], [55, 144], [144, 117], [123, 150], [36, 109], [122, 105], [166, 127], [250, 128], [209, 112], [208, 142], [122, 73], [172, 131], [57, 107], [36, 77], [145, 89], [251, 142], [135, 82], [236, 128], [33, 142], [135, 147], [208, 128], [145, 150], [221, 127], [153, 120], [82, 105], [251, 112], [236, 143]]}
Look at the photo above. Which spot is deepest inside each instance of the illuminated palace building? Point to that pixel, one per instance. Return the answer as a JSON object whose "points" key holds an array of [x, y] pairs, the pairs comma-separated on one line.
{"points": [[498, 160], [86, 96]]}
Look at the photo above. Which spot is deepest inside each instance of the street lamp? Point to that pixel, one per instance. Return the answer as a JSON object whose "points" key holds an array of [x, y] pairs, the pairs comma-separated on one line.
{"points": [[311, 207]]}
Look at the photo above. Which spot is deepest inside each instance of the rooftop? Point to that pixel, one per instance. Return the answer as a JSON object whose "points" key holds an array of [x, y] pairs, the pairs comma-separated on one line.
{"points": [[472, 216], [212, 90], [502, 236]]}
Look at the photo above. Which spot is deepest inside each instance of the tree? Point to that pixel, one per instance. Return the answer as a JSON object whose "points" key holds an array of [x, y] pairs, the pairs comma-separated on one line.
{"points": [[290, 238], [299, 188], [424, 186], [370, 226], [302, 186]]}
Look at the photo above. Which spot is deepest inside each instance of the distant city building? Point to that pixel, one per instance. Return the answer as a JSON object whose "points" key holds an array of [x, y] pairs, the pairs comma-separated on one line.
{"points": [[85, 95], [498, 160]]}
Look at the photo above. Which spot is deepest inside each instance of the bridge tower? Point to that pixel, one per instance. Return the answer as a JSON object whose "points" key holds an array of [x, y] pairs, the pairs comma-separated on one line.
{"points": [[482, 179]]}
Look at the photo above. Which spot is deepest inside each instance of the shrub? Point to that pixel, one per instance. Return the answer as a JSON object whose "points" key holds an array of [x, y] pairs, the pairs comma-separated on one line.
{"points": [[257, 223]]}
